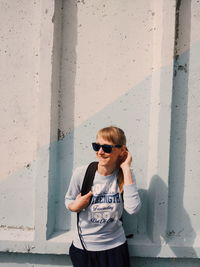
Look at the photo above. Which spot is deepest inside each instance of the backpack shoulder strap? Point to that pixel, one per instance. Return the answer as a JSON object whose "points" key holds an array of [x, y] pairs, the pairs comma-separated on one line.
{"points": [[89, 177], [86, 187]]}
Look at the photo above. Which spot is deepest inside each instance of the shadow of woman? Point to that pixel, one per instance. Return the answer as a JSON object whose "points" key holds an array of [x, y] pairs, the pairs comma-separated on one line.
{"points": [[166, 228]]}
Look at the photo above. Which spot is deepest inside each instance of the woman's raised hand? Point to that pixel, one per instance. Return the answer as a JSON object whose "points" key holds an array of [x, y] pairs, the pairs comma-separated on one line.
{"points": [[126, 160]]}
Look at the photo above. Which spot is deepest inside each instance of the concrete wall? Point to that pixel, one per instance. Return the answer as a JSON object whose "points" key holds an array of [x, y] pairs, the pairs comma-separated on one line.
{"points": [[71, 67]]}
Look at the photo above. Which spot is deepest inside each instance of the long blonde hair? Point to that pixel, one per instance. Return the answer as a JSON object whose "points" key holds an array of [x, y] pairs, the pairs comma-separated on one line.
{"points": [[117, 137]]}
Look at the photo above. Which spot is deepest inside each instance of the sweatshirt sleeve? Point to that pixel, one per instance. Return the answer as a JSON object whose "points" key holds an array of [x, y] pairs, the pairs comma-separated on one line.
{"points": [[132, 202], [75, 185]]}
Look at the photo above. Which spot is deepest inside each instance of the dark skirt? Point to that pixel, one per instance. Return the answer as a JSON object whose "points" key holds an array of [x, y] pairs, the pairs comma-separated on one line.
{"points": [[115, 257]]}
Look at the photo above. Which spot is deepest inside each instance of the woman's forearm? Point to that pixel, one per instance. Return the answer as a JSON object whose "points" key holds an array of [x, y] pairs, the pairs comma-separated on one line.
{"points": [[128, 177]]}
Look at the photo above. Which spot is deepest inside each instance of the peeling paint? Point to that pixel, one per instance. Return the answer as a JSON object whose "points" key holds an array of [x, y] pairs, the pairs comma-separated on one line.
{"points": [[28, 165], [24, 228], [183, 68], [29, 248], [172, 233], [81, 1], [178, 5], [61, 135]]}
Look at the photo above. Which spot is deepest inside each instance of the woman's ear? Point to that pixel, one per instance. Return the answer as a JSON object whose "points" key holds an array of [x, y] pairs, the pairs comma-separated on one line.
{"points": [[123, 150], [123, 153]]}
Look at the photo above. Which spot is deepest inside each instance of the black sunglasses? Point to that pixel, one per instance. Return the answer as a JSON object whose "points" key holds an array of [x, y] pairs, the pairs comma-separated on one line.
{"points": [[106, 148]]}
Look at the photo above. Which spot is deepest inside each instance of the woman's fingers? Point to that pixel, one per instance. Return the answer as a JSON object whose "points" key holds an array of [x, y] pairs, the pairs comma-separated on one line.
{"points": [[88, 195]]}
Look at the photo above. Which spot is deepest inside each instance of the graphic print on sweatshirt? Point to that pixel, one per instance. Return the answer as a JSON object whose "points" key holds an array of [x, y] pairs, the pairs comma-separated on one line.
{"points": [[105, 204]]}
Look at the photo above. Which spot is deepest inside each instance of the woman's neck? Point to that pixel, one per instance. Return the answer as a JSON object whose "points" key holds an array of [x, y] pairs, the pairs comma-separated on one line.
{"points": [[106, 170]]}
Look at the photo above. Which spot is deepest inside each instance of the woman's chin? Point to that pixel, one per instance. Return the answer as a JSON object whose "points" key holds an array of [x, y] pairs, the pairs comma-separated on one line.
{"points": [[103, 161]]}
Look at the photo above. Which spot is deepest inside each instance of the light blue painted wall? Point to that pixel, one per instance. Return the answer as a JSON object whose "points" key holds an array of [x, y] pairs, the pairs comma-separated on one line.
{"points": [[159, 113]]}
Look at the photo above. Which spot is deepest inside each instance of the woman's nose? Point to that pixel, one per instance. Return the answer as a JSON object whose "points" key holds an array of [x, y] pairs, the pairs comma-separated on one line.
{"points": [[101, 150]]}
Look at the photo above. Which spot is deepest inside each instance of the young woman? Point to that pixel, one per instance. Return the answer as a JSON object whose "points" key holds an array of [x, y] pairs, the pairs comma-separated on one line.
{"points": [[101, 209]]}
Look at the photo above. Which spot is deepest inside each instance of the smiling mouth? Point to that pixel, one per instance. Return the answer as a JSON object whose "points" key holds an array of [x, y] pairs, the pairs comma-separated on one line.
{"points": [[102, 157]]}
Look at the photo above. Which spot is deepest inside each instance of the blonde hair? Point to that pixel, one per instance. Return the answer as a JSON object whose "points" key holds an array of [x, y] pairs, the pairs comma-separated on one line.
{"points": [[113, 134], [117, 137]]}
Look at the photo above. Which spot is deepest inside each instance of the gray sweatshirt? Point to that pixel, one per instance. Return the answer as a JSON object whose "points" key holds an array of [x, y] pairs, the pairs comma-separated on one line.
{"points": [[101, 227]]}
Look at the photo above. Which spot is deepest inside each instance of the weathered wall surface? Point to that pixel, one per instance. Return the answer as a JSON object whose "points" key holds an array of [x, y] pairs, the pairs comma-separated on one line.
{"points": [[71, 67]]}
